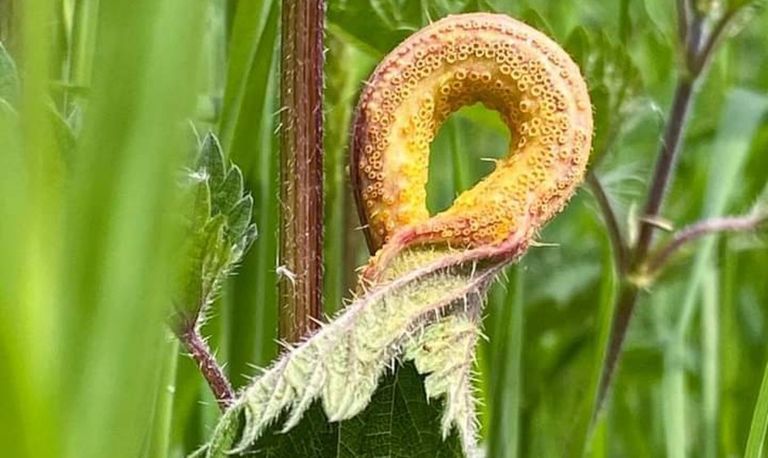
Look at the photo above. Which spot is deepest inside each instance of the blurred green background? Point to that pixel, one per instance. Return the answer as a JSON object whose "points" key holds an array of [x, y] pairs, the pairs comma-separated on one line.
{"points": [[95, 127]]}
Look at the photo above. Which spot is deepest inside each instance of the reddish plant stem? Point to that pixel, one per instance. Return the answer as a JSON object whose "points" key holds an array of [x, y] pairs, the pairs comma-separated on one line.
{"points": [[301, 168], [665, 165], [700, 229], [622, 315], [209, 368]]}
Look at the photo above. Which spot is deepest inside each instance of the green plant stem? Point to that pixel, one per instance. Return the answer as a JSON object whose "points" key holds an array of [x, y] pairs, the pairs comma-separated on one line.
{"points": [[83, 40], [301, 168], [505, 427], [710, 370]]}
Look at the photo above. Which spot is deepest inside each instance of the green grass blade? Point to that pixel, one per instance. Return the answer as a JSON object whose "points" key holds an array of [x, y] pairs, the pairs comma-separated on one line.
{"points": [[345, 68], [507, 354], [590, 430], [120, 223], [162, 423], [248, 127], [756, 439], [710, 371], [28, 315]]}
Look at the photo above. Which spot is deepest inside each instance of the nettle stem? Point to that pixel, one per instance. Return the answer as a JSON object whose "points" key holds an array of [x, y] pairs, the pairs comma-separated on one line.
{"points": [[200, 351], [301, 168]]}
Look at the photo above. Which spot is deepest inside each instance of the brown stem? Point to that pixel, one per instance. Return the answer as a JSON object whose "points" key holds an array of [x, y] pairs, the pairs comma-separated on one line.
{"points": [[625, 306], [700, 229], [301, 168], [683, 19], [665, 165], [611, 222], [206, 362]]}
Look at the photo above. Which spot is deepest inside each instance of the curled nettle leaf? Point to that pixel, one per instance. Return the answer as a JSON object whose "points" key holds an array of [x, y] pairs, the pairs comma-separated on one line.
{"points": [[220, 229], [421, 295]]}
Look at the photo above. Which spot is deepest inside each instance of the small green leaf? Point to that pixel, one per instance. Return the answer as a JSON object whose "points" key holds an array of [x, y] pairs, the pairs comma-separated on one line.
{"points": [[216, 256], [242, 245], [62, 131], [201, 206], [218, 228], [240, 217], [230, 191], [212, 161]]}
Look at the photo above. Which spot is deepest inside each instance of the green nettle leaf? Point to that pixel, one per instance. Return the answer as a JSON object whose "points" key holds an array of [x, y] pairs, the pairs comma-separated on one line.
{"points": [[212, 161], [426, 309], [446, 351], [396, 423], [239, 216], [219, 227], [231, 191]]}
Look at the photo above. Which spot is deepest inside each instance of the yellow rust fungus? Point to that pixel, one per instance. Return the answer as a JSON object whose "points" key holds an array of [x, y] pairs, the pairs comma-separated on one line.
{"points": [[460, 60]]}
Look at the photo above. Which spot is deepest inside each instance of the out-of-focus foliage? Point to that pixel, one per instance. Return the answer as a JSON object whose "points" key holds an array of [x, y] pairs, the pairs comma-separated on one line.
{"points": [[93, 119]]}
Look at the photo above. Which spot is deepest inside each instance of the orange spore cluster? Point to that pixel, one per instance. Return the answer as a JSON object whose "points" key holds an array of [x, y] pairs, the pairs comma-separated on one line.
{"points": [[460, 60]]}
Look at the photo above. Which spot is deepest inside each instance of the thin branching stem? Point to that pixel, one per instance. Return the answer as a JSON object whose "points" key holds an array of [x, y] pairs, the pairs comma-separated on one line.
{"points": [[697, 230], [611, 221], [715, 37], [665, 165]]}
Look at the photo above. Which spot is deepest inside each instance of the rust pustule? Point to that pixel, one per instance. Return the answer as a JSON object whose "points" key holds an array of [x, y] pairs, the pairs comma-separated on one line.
{"points": [[457, 61]]}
